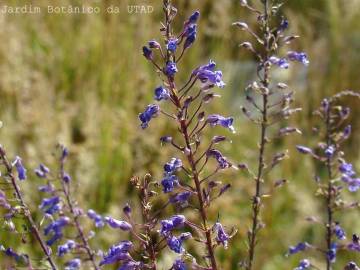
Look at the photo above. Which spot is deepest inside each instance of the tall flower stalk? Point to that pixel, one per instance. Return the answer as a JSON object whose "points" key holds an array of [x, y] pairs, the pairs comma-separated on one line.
{"points": [[187, 105], [339, 175], [267, 103], [24, 208]]}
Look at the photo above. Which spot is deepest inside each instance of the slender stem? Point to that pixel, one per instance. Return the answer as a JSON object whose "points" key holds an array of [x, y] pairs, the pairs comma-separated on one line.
{"points": [[75, 216], [329, 232], [27, 212], [256, 201]]}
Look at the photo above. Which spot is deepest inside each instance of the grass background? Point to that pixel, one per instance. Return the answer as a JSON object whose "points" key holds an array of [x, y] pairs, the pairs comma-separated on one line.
{"points": [[81, 80]]}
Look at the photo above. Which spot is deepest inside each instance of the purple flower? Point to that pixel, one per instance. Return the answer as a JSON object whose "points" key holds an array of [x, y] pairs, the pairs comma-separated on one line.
{"points": [[172, 44], [280, 62], [329, 151], [147, 53], [303, 149], [169, 182], [227, 122], [96, 218], [331, 254], [117, 253], [339, 232], [3, 201], [304, 264], [73, 264], [181, 197], [167, 225], [298, 248], [283, 25], [127, 210], [347, 132], [207, 74], [179, 265], [351, 266], [193, 18], [66, 178], [50, 205], [221, 236], [347, 168], [20, 168], [161, 93], [42, 171], [153, 44], [172, 166], [118, 224], [56, 227], [190, 35], [66, 248], [298, 56], [223, 163], [170, 69], [175, 243], [150, 112]]}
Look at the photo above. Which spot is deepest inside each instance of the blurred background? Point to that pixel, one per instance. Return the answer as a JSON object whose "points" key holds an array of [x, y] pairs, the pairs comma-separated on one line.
{"points": [[81, 80]]}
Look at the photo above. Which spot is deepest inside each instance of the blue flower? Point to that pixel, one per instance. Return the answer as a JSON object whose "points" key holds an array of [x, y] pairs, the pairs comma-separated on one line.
{"points": [[167, 225], [283, 25], [20, 168], [49, 188], [331, 254], [50, 205], [347, 168], [150, 112], [351, 266], [175, 243], [153, 44], [227, 122], [42, 171], [172, 166], [172, 44], [304, 264], [298, 248], [169, 182], [118, 224], [329, 151], [66, 248], [298, 56], [181, 197], [190, 35], [131, 265], [339, 232], [221, 236], [179, 265], [161, 93], [73, 264], [303, 149], [207, 74], [147, 53], [193, 18], [281, 62], [170, 69], [56, 227], [116, 253], [96, 218], [223, 163]]}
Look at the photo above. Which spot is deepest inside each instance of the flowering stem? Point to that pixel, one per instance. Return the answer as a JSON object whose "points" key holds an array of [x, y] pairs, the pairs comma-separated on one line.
{"points": [[256, 202], [27, 212], [75, 216], [329, 191]]}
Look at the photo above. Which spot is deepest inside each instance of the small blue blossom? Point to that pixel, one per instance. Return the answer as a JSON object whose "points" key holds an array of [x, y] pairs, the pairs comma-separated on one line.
{"points": [[150, 112], [175, 243], [131, 265], [169, 182], [283, 25], [161, 93], [329, 151], [153, 44], [116, 253], [347, 168], [66, 248], [207, 74], [172, 44], [298, 248], [190, 35], [98, 219], [49, 188], [298, 56], [20, 168], [179, 265], [221, 236], [331, 254], [170, 69], [303, 149], [42, 171], [181, 197], [73, 264], [280, 62], [223, 163], [147, 53], [193, 18], [172, 166], [50, 205], [339, 232], [216, 119], [351, 266], [118, 224], [167, 225], [304, 264], [56, 227]]}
